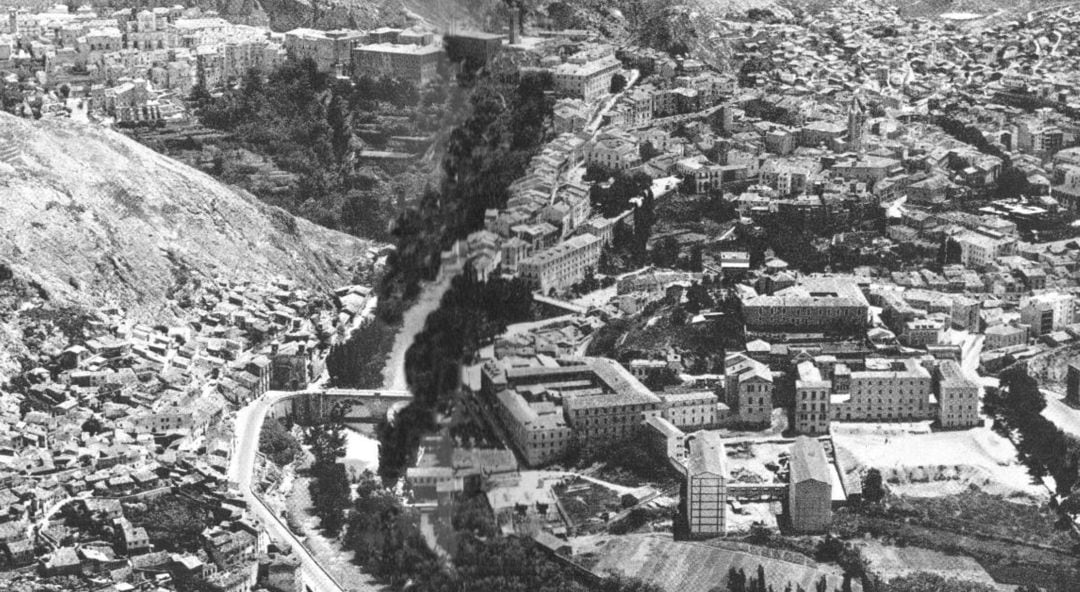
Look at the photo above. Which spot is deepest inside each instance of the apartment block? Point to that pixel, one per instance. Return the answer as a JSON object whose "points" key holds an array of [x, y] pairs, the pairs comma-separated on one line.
{"points": [[979, 248], [1045, 313], [326, 48], [563, 265], [691, 410], [812, 396], [547, 406], [415, 63], [748, 390], [958, 397], [815, 304], [588, 80], [884, 390]]}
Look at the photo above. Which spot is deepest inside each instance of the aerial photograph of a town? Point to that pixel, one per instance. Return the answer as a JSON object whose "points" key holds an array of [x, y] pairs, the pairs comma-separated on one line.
{"points": [[539, 296]]}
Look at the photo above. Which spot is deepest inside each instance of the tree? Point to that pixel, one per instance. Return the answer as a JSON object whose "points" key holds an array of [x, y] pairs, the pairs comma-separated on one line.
{"points": [[666, 252], [277, 443], [1022, 391], [1012, 182], [330, 494], [698, 298], [339, 119], [931, 582], [829, 549], [327, 440], [873, 490], [618, 83], [473, 515], [736, 581], [92, 426], [647, 151]]}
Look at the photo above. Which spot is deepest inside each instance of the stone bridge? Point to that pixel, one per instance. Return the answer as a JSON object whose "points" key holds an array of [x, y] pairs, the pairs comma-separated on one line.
{"points": [[357, 405]]}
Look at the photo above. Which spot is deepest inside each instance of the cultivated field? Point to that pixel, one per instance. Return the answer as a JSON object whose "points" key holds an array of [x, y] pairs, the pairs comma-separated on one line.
{"points": [[889, 562], [699, 567]]}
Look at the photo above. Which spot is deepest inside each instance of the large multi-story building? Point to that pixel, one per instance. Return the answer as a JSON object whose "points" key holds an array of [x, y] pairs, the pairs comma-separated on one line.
{"points": [[748, 389], [474, 47], [328, 49], [815, 304], [999, 336], [706, 485], [979, 248], [616, 151], [958, 397], [415, 63], [563, 265], [885, 390], [691, 410], [809, 487], [1046, 313], [923, 332], [588, 80], [547, 407], [812, 394]]}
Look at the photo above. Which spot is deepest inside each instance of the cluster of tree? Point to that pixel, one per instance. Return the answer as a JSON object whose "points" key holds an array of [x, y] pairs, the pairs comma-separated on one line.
{"points": [[306, 123], [385, 537], [1017, 409], [358, 362], [739, 581], [666, 252], [172, 522], [873, 486], [797, 244], [507, 126], [470, 314], [590, 283], [473, 515], [278, 443], [329, 485], [625, 462]]}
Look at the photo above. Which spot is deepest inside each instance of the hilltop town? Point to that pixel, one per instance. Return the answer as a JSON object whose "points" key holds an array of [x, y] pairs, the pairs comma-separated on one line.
{"points": [[802, 319]]}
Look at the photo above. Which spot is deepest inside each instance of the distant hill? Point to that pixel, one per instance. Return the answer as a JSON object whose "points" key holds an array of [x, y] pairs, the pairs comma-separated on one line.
{"points": [[89, 217]]}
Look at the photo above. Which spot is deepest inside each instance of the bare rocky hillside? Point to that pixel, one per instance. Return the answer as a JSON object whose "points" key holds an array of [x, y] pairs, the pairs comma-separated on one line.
{"points": [[89, 218]]}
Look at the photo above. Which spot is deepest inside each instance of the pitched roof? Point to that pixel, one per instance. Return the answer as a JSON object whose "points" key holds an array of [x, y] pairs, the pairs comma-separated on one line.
{"points": [[808, 461], [707, 455]]}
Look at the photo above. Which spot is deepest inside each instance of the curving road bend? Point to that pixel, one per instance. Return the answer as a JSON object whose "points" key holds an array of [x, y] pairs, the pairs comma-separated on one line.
{"points": [[249, 422]]}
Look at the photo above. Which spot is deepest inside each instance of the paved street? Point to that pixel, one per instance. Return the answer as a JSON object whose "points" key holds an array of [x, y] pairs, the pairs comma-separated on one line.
{"points": [[249, 422]]}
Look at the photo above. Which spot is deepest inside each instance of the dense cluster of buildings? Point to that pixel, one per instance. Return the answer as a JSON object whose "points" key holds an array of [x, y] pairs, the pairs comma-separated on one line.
{"points": [[138, 66], [130, 65], [134, 412]]}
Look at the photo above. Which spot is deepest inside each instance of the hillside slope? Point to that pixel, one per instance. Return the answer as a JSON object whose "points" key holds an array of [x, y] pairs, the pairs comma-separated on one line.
{"points": [[91, 218]]}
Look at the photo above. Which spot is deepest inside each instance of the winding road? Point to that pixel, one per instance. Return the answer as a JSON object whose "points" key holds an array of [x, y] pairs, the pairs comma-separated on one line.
{"points": [[249, 422]]}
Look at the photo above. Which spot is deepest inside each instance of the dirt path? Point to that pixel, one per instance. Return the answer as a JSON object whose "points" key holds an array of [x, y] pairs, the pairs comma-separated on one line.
{"points": [[412, 323]]}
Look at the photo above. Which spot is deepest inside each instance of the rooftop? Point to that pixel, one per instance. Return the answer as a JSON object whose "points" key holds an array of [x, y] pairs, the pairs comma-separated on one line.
{"points": [[707, 455]]}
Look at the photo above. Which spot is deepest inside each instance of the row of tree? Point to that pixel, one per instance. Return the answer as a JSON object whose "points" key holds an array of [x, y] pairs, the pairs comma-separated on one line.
{"points": [[1017, 410], [329, 486], [507, 125], [470, 314]]}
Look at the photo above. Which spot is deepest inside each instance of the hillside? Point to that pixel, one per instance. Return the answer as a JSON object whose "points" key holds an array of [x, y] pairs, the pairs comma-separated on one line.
{"points": [[90, 218]]}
